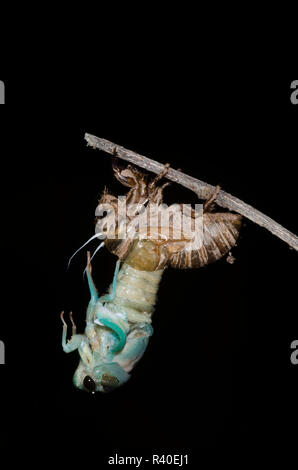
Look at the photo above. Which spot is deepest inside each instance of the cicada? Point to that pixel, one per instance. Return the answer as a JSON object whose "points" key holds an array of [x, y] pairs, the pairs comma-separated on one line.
{"points": [[146, 237]]}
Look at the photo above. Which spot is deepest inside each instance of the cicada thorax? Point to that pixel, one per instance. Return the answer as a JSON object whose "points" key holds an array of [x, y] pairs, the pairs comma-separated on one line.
{"points": [[149, 250], [154, 246]]}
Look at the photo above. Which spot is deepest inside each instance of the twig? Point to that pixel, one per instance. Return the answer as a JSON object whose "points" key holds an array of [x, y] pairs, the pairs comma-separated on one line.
{"points": [[203, 190]]}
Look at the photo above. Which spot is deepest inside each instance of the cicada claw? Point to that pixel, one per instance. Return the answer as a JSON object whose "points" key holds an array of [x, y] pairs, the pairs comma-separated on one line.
{"points": [[62, 318], [74, 328]]}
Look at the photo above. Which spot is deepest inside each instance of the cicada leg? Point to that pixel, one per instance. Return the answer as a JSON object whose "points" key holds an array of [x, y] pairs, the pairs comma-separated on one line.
{"points": [[75, 340], [79, 342], [110, 297], [159, 176], [92, 288], [156, 192], [93, 292], [107, 319], [209, 203]]}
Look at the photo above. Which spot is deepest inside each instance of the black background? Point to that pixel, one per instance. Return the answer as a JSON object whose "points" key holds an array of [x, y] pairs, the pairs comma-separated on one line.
{"points": [[217, 372]]}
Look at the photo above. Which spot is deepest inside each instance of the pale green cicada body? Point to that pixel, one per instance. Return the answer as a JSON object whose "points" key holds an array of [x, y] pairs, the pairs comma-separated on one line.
{"points": [[115, 337]]}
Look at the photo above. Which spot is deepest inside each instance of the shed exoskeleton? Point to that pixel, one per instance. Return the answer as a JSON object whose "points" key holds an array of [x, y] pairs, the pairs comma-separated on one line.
{"points": [[187, 248]]}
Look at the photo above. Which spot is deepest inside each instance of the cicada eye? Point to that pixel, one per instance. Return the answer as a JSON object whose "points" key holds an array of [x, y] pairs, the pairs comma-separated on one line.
{"points": [[89, 384], [109, 382], [103, 215]]}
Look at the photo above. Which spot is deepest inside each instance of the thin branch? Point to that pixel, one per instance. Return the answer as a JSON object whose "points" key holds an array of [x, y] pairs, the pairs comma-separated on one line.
{"points": [[203, 190]]}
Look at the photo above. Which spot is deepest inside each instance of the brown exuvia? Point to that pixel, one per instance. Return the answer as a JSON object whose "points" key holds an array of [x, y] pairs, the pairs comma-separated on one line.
{"points": [[162, 245]]}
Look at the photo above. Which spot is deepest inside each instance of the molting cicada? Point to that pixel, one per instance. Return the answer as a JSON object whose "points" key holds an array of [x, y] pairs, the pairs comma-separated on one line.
{"points": [[146, 236]]}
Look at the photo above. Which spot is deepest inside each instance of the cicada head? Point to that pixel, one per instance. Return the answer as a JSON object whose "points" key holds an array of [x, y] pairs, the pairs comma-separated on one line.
{"points": [[100, 377]]}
